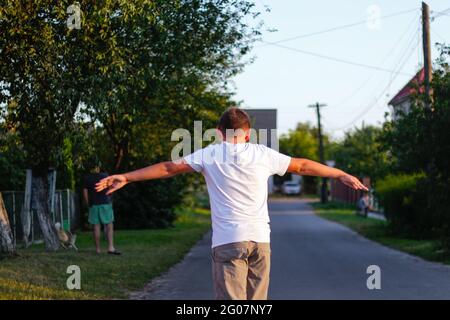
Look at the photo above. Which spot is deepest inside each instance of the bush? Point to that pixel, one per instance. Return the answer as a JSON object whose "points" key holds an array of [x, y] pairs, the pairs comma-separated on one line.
{"points": [[404, 202], [149, 204], [438, 205]]}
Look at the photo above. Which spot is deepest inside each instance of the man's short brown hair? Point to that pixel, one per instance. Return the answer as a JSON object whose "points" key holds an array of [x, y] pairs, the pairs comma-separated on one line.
{"points": [[233, 118]]}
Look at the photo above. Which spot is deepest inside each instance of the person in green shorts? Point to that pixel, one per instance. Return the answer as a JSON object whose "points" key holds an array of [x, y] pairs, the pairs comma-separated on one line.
{"points": [[100, 210]]}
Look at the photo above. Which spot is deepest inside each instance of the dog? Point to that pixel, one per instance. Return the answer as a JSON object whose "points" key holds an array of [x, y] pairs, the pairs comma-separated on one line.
{"points": [[66, 238]]}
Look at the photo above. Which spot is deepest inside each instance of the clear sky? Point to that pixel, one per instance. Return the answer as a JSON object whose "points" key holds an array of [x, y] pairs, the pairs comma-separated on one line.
{"points": [[289, 80]]}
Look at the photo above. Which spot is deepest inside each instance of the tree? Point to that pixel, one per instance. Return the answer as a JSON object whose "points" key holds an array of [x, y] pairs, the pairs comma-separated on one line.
{"points": [[360, 153], [175, 56], [6, 238], [12, 160], [179, 56], [38, 77], [44, 73], [130, 63], [303, 143], [418, 142]]}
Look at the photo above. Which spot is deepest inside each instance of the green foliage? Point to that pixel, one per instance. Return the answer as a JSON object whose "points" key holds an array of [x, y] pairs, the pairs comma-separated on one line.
{"points": [[418, 141], [40, 76], [404, 204], [66, 171], [173, 61], [359, 153], [12, 161], [135, 70], [303, 143]]}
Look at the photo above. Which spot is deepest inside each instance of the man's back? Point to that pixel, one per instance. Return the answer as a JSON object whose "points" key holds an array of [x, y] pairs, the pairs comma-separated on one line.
{"points": [[237, 176]]}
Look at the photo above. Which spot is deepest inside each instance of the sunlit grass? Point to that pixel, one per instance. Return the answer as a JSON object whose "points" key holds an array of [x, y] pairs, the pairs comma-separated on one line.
{"points": [[36, 274], [377, 230]]}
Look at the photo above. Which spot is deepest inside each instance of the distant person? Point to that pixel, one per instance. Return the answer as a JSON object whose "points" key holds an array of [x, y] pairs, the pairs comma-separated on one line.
{"points": [[236, 174], [364, 204], [100, 210]]}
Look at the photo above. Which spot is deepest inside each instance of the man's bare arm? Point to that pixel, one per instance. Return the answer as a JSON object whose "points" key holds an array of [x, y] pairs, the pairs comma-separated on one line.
{"points": [[160, 170], [307, 167]]}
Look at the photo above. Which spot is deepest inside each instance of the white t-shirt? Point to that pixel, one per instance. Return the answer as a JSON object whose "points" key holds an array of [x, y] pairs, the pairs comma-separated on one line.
{"points": [[237, 179]]}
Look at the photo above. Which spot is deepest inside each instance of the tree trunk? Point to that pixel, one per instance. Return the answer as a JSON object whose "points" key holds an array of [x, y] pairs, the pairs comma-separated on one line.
{"points": [[121, 154], [25, 214], [40, 195], [6, 238]]}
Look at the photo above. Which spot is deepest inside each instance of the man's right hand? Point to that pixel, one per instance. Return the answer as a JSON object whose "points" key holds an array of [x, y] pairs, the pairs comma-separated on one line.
{"points": [[352, 182], [112, 183]]}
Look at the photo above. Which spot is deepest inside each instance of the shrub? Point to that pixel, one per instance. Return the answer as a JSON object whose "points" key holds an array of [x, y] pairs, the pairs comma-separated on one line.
{"points": [[404, 201], [148, 204]]}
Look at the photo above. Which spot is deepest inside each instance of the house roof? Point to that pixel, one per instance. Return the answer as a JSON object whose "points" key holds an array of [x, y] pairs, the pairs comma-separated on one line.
{"points": [[263, 119], [410, 88]]}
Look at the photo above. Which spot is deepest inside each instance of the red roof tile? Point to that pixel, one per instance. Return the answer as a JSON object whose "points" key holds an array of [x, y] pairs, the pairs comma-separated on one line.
{"points": [[410, 88]]}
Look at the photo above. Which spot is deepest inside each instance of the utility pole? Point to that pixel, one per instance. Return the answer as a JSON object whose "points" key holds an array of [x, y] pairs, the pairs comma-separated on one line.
{"points": [[426, 52], [323, 190]]}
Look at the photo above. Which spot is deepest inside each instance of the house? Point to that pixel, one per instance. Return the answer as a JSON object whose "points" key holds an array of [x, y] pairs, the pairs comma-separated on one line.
{"points": [[264, 123], [401, 102], [263, 120]]}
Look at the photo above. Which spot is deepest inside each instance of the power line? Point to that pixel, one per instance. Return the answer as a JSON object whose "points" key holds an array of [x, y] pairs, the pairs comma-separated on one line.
{"points": [[406, 53], [338, 28], [440, 14], [402, 55], [405, 57], [396, 44], [370, 107], [398, 66], [396, 71], [439, 36], [318, 55], [323, 192]]}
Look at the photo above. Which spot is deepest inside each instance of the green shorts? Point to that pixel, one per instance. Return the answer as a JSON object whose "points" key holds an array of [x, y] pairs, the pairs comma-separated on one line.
{"points": [[102, 213]]}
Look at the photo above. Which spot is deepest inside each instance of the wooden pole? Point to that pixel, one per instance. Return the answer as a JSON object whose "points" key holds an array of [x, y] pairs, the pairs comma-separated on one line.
{"points": [[427, 52], [323, 189]]}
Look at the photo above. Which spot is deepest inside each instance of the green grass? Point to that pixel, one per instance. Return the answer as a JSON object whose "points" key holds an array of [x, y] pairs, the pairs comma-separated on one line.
{"points": [[36, 274], [379, 231]]}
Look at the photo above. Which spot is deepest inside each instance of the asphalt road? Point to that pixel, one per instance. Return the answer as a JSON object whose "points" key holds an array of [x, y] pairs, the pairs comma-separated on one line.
{"points": [[313, 258]]}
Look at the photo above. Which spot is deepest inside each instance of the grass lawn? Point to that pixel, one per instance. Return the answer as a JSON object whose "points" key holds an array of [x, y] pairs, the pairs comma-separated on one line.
{"points": [[36, 274], [378, 230]]}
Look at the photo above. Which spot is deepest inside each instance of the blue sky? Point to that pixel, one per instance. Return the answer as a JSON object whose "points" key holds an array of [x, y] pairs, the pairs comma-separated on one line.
{"points": [[289, 80]]}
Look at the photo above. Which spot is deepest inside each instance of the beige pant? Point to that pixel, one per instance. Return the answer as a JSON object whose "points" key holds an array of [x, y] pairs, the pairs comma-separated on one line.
{"points": [[241, 270]]}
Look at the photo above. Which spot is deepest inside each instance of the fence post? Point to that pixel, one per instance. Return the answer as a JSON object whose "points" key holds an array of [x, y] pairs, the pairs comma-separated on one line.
{"points": [[14, 216], [26, 215]]}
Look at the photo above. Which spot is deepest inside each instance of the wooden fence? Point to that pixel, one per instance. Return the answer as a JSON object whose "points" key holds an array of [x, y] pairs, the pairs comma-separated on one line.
{"points": [[342, 193], [65, 211]]}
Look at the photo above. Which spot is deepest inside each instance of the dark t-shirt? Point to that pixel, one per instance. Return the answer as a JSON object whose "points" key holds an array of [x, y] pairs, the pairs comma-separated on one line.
{"points": [[96, 198]]}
